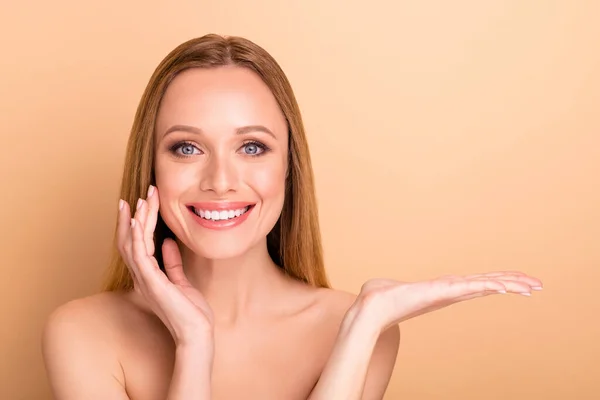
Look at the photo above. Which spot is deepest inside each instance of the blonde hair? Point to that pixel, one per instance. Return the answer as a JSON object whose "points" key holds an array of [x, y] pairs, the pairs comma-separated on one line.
{"points": [[294, 243]]}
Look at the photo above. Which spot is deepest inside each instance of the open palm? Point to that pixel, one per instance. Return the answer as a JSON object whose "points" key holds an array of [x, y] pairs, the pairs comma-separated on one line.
{"points": [[391, 302]]}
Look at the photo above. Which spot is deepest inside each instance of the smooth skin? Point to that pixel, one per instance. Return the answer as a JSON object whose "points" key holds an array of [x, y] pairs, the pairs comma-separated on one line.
{"points": [[225, 322]]}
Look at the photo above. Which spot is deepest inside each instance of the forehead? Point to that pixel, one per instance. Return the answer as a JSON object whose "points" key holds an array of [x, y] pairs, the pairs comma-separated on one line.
{"points": [[220, 99]]}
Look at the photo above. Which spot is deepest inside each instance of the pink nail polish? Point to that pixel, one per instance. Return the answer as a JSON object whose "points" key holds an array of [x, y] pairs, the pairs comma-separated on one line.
{"points": [[536, 287], [121, 204], [526, 294], [132, 222], [150, 190], [139, 203]]}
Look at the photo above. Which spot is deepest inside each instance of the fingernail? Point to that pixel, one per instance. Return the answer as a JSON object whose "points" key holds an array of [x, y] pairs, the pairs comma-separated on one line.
{"points": [[502, 291], [537, 287], [121, 204], [132, 222], [150, 190], [139, 203], [526, 294]]}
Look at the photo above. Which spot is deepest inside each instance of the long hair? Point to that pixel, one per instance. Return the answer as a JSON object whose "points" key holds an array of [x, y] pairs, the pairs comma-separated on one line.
{"points": [[294, 243]]}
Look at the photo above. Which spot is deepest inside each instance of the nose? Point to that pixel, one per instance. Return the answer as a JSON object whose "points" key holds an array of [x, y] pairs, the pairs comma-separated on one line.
{"points": [[219, 175]]}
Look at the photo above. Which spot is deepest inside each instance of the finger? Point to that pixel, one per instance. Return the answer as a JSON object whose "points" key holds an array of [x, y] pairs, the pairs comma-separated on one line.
{"points": [[455, 300], [515, 286], [510, 275], [141, 216], [533, 283], [151, 218], [141, 212], [529, 281], [173, 263], [123, 224], [501, 284], [476, 295], [468, 287], [487, 293], [495, 274], [124, 238], [149, 273]]}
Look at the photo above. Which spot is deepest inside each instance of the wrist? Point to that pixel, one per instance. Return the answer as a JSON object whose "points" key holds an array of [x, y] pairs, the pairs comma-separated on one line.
{"points": [[192, 373], [195, 341], [361, 316], [199, 353], [361, 324]]}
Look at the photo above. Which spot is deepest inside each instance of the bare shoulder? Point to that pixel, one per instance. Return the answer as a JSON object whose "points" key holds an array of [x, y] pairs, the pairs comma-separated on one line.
{"points": [[90, 318], [80, 346], [82, 321], [336, 300], [93, 309]]}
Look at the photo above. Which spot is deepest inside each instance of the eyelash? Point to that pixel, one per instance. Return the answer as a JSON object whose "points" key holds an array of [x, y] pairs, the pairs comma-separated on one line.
{"points": [[173, 149]]}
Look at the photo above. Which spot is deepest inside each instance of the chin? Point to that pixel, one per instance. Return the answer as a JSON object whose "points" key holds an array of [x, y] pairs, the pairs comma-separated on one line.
{"points": [[219, 248]]}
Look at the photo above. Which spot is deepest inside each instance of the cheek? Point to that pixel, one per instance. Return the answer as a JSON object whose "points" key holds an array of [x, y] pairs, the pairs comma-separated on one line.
{"points": [[268, 181], [172, 178]]}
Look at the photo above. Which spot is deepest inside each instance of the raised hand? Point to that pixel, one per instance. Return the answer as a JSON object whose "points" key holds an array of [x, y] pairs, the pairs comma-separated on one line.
{"points": [[180, 306], [387, 302], [353, 371]]}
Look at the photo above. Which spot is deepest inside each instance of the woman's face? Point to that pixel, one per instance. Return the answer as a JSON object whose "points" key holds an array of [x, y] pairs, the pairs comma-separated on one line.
{"points": [[221, 160]]}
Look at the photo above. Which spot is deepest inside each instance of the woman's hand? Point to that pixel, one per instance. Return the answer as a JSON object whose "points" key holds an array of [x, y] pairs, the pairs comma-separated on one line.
{"points": [[180, 306], [361, 362], [386, 302]]}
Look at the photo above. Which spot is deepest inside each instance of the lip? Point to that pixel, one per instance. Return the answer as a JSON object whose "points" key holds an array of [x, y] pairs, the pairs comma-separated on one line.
{"points": [[221, 224], [220, 205]]}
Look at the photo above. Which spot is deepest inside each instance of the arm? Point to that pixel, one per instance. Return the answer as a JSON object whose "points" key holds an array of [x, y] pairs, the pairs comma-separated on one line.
{"points": [[361, 363], [191, 374]]}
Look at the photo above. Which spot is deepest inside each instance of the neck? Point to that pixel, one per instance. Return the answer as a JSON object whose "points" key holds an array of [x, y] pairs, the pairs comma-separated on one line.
{"points": [[236, 287]]}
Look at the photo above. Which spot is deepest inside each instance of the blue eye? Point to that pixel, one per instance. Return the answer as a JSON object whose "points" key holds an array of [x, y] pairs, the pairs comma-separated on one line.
{"points": [[254, 148], [184, 149], [187, 149], [251, 149]]}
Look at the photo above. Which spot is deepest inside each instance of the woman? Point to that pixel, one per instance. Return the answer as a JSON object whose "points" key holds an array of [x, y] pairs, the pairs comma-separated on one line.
{"points": [[217, 289]]}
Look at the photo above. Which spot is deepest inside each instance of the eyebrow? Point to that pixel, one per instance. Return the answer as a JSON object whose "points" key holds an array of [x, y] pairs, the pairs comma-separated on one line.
{"points": [[239, 131]]}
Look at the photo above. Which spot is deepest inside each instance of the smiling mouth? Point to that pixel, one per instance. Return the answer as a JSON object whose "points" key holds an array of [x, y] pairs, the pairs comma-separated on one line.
{"points": [[220, 215]]}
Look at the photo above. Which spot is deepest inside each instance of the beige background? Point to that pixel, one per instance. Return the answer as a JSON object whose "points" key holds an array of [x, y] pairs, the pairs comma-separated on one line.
{"points": [[447, 136]]}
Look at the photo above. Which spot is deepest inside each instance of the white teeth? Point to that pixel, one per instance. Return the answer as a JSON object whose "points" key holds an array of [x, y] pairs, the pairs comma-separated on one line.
{"points": [[220, 215]]}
